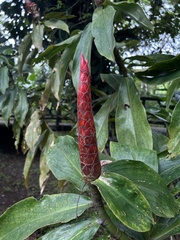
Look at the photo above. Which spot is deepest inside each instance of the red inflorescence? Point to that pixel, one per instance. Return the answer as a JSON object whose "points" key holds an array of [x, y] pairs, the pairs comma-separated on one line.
{"points": [[88, 150]]}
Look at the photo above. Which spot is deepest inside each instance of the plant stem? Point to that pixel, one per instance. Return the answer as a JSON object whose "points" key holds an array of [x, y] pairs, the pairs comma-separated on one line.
{"points": [[106, 221], [120, 62]]}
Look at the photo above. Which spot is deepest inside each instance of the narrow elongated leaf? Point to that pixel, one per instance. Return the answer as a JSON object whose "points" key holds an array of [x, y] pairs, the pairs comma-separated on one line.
{"points": [[160, 142], [37, 35], [122, 152], [174, 132], [63, 160], [33, 130], [173, 86], [4, 79], [125, 201], [132, 127], [150, 183], [166, 228], [8, 104], [84, 46], [54, 23], [28, 215], [75, 231], [55, 49], [60, 69], [101, 121], [134, 11], [21, 107], [103, 31]]}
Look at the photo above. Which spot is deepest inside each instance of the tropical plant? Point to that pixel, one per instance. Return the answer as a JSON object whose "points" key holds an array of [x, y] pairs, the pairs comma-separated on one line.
{"points": [[136, 194]]}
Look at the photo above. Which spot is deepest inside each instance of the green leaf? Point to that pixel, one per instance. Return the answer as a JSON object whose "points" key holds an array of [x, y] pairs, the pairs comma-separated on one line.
{"points": [[54, 23], [84, 46], [134, 11], [33, 130], [132, 127], [122, 152], [174, 132], [101, 121], [173, 86], [75, 231], [4, 79], [149, 182], [103, 31], [166, 228], [63, 160], [60, 69], [113, 80], [28, 215], [8, 104], [37, 35], [52, 50], [21, 107], [125, 201], [160, 142]]}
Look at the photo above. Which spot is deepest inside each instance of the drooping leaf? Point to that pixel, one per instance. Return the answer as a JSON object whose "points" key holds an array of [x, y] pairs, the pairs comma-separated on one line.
{"points": [[103, 31], [173, 86], [33, 130], [28, 215], [21, 107], [174, 132], [132, 127], [76, 231], [24, 49], [125, 201], [113, 80], [160, 142], [101, 121], [37, 35], [16, 133], [63, 160], [166, 228], [4, 79], [134, 11], [149, 182], [60, 69], [122, 152], [84, 46], [8, 104], [52, 50], [54, 23]]}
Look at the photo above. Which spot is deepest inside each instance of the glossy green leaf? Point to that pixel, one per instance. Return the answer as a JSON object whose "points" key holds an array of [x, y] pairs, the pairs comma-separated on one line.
{"points": [[60, 69], [75, 231], [63, 160], [52, 50], [132, 127], [84, 46], [173, 86], [160, 142], [28, 215], [37, 35], [4, 79], [54, 23], [166, 228], [21, 107], [103, 31], [158, 78], [149, 182], [8, 104], [33, 130], [101, 121], [134, 11], [125, 201], [122, 152], [174, 132], [113, 80]]}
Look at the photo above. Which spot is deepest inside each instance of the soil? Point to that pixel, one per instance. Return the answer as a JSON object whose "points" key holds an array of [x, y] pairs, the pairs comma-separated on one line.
{"points": [[12, 188]]}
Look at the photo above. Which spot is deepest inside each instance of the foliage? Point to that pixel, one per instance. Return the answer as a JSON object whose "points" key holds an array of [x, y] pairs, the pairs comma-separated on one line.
{"points": [[136, 196]]}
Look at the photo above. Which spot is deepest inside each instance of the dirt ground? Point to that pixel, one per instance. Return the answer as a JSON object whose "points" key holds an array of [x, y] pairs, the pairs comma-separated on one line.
{"points": [[12, 187]]}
